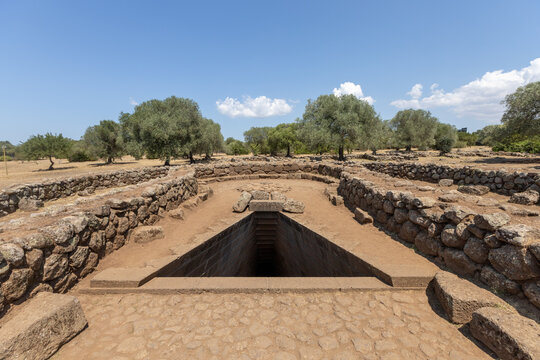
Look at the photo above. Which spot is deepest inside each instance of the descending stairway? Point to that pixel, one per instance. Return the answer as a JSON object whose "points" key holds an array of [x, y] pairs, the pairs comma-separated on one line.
{"points": [[265, 237]]}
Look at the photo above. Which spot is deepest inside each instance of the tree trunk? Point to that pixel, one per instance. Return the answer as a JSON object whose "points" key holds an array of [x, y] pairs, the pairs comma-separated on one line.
{"points": [[109, 160], [408, 148], [341, 157], [288, 150], [373, 151], [191, 161], [52, 163], [167, 161], [207, 156]]}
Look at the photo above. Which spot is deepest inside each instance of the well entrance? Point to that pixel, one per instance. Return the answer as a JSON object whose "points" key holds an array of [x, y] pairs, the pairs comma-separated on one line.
{"points": [[268, 244]]}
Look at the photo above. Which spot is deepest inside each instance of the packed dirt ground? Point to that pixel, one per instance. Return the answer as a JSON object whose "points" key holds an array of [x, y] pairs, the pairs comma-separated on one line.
{"points": [[353, 325]]}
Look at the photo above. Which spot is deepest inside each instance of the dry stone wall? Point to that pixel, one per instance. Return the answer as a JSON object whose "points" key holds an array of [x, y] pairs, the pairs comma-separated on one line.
{"points": [[481, 246], [502, 182], [57, 256], [297, 169], [55, 189]]}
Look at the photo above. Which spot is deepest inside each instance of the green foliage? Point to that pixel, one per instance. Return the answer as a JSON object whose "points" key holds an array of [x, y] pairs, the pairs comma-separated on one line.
{"points": [[467, 138], [338, 122], [235, 147], [9, 148], [283, 136], [522, 115], [313, 137], [78, 152], [488, 135], [379, 136], [256, 139], [46, 146], [414, 128], [531, 146], [445, 138], [163, 129], [208, 139], [105, 140]]}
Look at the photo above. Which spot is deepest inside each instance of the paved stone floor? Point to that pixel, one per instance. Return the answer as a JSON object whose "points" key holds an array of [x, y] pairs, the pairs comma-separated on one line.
{"points": [[361, 325]]}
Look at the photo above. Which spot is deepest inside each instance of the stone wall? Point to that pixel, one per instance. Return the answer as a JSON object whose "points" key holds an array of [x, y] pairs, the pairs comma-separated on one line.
{"points": [[481, 246], [55, 189], [243, 168], [54, 258], [501, 181]]}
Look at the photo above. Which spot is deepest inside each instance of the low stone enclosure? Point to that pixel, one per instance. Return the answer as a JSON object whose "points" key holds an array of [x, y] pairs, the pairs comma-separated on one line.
{"points": [[502, 182], [55, 189], [474, 245]]}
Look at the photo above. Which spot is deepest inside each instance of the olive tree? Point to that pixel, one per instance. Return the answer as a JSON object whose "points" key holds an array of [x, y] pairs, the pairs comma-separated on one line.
{"points": [[163, 128], [207, 140], [46, 146], [521, 119], [414, 128], [445, 138], [342, 119], [256, 139], [377, 136], [105, 140], [283, 136]]}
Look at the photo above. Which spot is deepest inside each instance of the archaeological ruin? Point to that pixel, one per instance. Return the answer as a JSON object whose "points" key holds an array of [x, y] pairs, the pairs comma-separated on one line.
{"points": [[304, 258]]}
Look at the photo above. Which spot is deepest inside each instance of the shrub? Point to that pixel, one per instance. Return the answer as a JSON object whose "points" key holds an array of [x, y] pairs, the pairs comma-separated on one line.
{"points": [[444, 144], [531, 146], [80, 156]]}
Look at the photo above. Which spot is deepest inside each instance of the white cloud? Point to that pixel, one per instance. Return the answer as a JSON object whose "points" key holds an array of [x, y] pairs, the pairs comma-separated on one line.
{"points": [[416, 91], [258, 107], [133, 102], [480, 98], [350, 88]]}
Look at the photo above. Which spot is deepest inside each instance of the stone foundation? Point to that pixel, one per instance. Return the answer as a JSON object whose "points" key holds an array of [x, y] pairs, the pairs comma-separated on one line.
{"points": [[54, 258], [479, 246], [502, 182], [56, 189]]}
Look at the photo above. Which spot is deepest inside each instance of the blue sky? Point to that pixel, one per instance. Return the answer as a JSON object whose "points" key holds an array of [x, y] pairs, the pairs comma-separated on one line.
{"points": [[66, 65]]}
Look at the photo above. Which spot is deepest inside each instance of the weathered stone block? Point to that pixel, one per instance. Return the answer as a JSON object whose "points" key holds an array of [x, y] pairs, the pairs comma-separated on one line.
{"points": [[427, 245], [144, 234], [292, 206], [528, 197], [509, 335], [498, 281], [266, 205], [41, 327], [491, 222], [459, 262], [460, 298], [362, 217], [514, 262], [243, 202]]}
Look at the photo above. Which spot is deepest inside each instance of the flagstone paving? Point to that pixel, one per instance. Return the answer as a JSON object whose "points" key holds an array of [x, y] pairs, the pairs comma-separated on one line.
{"points": [[353, 325]]}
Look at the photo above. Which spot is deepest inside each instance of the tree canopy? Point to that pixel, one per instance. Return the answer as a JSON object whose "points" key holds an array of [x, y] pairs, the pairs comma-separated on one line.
{"points": [[283, 136], [414, 128], [105, 140], [522, 116], [445, 138], [46, 146], [256, 139], [164, 129], [339, 120]]}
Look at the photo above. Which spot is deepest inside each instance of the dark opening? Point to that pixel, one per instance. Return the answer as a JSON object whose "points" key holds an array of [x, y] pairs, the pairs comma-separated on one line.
{"points": [[269, 244]]}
